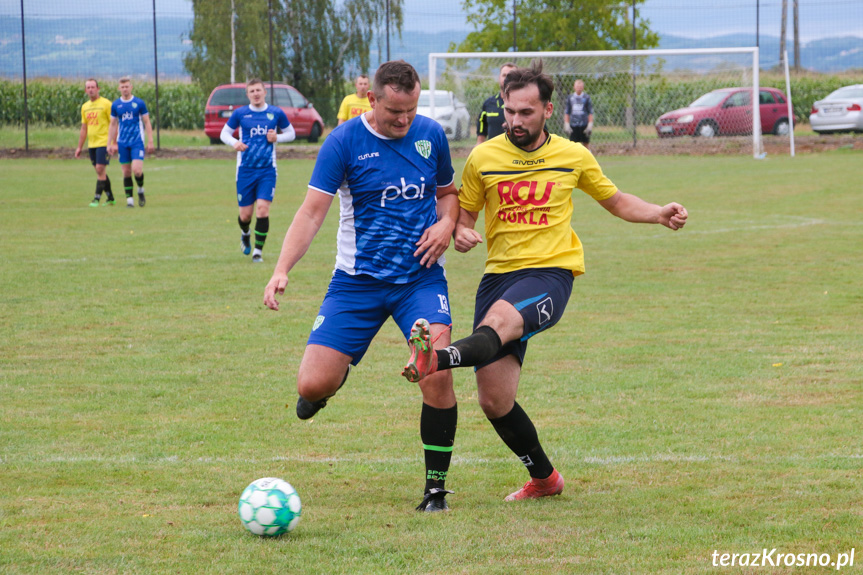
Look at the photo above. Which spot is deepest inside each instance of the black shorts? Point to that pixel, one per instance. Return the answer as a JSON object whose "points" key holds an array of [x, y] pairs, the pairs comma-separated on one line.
{"points": [[578, 134], [539, 294], [99, 156]]}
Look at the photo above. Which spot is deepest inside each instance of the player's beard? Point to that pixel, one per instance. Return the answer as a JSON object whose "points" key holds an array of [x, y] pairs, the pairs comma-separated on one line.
{"points": [[525, 139]]}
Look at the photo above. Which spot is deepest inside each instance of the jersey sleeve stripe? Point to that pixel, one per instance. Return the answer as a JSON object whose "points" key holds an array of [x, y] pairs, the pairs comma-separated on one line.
{"points": [[311, 187]]}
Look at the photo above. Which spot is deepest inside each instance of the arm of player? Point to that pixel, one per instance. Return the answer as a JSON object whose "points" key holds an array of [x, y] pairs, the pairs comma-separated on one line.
{"points": [[81, 137], [148, 131], [112, 135], [307, 222], [435, 240], [287, 135], [633, 209], [227, 136], [466, 237]]}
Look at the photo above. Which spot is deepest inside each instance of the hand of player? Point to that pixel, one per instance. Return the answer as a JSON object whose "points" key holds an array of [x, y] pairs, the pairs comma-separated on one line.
{"points": [[433, 243], [77, 153], [276, 285], [589, 129], [112, 149], [466, 239], [567, 129], [271, 136], [673, 216], [151, 148], [240, 146]]}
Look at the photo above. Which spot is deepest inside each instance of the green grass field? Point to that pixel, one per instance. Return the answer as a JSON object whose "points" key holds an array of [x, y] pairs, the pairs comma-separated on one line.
{"points": [[702, 393]]}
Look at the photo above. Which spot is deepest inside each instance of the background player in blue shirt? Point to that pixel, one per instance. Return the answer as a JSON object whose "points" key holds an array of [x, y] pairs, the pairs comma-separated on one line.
{"points": [[258, 123], [129, 115], [393, 174]]}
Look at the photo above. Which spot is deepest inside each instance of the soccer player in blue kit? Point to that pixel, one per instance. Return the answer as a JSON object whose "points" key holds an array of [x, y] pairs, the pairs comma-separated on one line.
{"points": [[392, 172], [129, 117], [261, 125]]}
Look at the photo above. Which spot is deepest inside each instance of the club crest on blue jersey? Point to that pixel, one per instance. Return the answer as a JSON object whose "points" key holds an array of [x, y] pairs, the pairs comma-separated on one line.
{"points": [[423, 147]]}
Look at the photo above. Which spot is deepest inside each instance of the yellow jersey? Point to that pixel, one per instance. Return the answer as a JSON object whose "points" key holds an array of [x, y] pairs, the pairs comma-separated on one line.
{"points": [[97, 116], [527, 198], [352, 106]]}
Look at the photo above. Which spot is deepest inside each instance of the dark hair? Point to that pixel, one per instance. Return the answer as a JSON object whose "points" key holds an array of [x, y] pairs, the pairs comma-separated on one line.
{"points": [[523, 77], [508, 65], [366, 76], [94, 80], [398, 75], [254, 81]]}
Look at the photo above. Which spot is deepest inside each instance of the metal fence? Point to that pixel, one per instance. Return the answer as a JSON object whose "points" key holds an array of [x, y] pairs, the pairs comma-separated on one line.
{"points": [[147, 39]]}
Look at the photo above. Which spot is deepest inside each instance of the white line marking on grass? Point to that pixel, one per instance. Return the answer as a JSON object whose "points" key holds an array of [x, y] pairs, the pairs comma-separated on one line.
{"points": [[364, 459], [133, 259], [797, 222]]}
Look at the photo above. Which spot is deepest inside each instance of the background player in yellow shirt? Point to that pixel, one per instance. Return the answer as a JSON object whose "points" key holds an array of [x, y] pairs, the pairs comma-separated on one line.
{"points": [[95, 120], [355, 104], [524, 180]]}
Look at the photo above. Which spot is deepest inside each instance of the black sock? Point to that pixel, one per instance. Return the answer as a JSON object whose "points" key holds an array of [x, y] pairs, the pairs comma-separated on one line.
{"points": [[108, 189], [127, 186], [437, 432], [476, 348], [262, 226], [244, 226], [100, 185], [517, 431], [140, 180]]}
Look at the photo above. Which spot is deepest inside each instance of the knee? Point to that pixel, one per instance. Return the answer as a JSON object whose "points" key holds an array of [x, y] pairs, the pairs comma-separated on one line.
{"points": [[494, 407], [310, 387], [437, 390]]}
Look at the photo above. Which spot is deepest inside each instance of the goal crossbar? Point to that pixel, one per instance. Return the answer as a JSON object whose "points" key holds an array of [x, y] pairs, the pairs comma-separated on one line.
{"points": [[753, 51]]}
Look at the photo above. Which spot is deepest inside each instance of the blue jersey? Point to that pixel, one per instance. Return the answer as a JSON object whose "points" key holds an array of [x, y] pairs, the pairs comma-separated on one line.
{"points": [[129, 113], [254, 126], [387, 193]]}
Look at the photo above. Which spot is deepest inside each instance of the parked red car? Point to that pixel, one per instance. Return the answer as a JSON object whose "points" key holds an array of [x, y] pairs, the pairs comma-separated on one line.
{"points": [[726, 112], [225, 98]]}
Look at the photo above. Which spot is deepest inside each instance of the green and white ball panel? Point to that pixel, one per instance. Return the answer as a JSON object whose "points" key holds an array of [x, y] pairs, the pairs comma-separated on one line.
{"points": [[269, 507]]}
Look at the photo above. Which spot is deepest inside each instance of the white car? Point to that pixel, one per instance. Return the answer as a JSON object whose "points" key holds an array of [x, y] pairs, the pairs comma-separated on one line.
{"points": [[840, 111], [449, 112]]}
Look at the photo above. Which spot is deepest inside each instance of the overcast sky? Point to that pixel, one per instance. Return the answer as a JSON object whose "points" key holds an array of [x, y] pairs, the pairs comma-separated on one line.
{"points": [[818, 18]]}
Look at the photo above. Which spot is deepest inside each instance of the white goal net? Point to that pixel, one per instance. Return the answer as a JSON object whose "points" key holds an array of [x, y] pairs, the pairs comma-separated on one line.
{"points": [[644, 101]]}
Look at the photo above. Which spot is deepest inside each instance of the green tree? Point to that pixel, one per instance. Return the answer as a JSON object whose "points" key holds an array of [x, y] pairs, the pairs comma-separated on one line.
{"points": [[317, 44], [554, 25]]}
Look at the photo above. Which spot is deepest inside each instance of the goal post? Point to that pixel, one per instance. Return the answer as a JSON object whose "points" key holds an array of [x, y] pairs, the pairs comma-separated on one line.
{"points": [[630, 91]]}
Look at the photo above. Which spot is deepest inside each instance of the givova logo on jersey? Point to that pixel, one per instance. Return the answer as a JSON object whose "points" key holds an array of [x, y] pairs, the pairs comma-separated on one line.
{"points": [[405, 191]]}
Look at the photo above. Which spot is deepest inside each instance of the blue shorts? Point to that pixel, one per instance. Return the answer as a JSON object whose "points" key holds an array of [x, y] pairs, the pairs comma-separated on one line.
{"points": [[539, 294], [255, 184], [130, 151], [356, 307], [99, 156]]}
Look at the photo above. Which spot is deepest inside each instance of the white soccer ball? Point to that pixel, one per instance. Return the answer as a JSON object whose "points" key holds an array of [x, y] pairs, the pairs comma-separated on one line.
{"points": [[270, 507]]}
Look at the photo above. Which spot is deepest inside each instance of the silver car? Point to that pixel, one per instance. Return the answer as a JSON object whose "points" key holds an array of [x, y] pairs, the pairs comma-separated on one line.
{"points": [[449, 112], [841, 111]]}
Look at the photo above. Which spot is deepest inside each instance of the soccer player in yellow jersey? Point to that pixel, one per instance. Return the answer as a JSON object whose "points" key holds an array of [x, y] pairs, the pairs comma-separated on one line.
{"points": [[355, 104], [95, 120], [524, 180]]}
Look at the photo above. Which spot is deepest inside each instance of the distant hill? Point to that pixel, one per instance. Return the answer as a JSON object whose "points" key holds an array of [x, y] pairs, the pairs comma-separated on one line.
{"points": [[824, 55], [111, 47]]}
